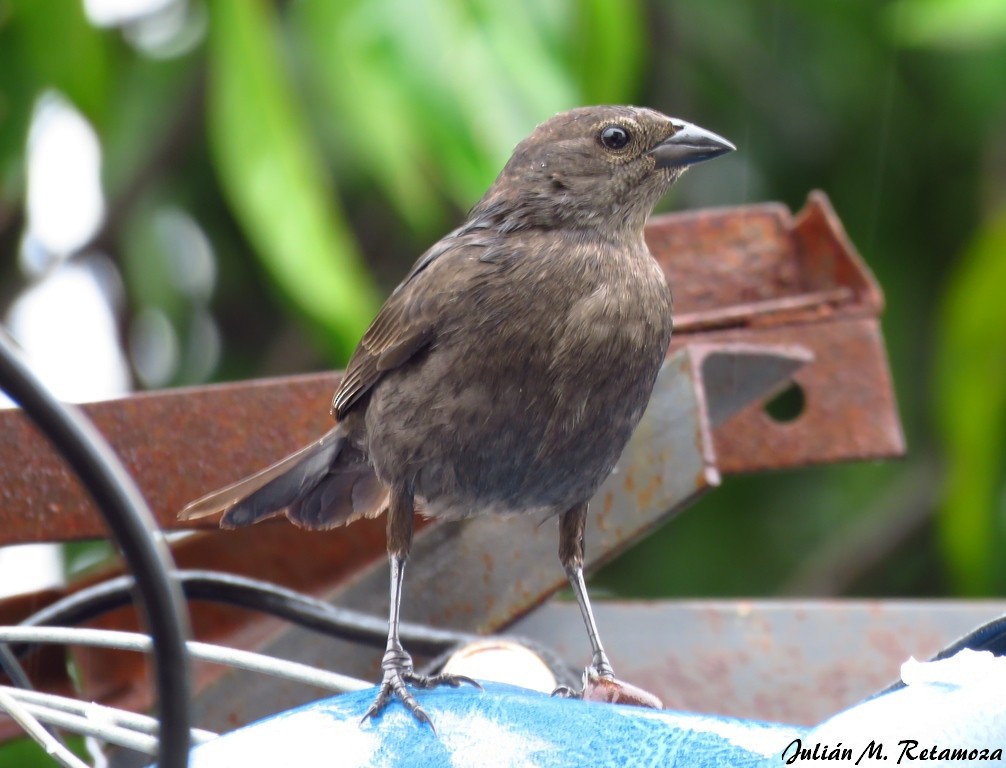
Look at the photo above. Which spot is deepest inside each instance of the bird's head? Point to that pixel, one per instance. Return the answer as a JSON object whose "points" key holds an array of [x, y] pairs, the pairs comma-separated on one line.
{"points": [[596, 168]]}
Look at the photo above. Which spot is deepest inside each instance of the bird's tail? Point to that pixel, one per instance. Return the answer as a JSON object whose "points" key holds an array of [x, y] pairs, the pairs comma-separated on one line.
{"points": [[323, 485]]}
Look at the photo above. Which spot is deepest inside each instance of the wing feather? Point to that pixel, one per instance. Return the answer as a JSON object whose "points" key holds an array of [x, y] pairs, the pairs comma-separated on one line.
{"points": [[404, 326]]}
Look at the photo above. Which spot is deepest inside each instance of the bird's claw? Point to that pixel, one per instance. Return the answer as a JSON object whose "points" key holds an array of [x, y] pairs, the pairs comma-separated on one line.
{"points": [[592, 676], [443, 678], [601, 685], [395, 684]]}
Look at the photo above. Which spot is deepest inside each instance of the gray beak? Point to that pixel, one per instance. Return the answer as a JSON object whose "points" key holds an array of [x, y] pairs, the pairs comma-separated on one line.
{"points": [[689, 145]]}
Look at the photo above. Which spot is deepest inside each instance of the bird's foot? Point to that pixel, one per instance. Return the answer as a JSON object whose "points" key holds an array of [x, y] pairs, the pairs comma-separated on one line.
{"points": [[605, 687], [593, 673], [565, 692], [398, 673]]}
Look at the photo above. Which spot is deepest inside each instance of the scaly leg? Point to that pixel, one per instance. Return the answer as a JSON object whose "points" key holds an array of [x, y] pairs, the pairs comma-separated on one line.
{"points": [[397, 663], [571, 548]]}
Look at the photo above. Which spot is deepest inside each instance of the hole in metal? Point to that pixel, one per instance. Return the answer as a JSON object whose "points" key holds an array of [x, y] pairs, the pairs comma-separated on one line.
{"points": [[788, 405]]}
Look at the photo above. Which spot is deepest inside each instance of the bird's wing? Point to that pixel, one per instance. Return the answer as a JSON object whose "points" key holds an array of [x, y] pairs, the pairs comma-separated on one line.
{"points": [[405, 324], [395, 336]]}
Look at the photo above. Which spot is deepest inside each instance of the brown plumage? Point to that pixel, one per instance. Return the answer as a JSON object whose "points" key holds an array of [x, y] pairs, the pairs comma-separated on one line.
{"points": [[507, 371]]}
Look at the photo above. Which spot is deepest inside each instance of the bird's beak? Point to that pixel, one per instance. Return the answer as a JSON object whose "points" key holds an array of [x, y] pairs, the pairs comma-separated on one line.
{"points": [[689, 145]]}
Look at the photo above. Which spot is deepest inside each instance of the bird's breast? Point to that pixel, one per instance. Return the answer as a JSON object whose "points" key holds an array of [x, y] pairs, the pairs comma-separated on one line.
{"points": [[527, 397]]}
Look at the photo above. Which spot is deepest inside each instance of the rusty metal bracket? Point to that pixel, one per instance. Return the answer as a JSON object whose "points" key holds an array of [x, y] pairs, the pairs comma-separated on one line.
{"points": [[463, 575], [763, 298], [752, 275]]}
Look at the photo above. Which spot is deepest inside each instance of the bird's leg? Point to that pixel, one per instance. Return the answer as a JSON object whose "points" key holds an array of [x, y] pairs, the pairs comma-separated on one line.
{"points": [[397, 663], [571, 548]]}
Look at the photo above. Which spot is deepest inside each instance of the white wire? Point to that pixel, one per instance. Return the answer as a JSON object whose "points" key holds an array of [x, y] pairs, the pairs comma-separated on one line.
{"points": [[35, 729], [85, 726], [132, 641], [96, 713]]}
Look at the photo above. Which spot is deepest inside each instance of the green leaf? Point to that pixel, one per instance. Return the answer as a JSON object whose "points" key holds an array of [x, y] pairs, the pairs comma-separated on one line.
{"points": [[948, 23], [150, 97], [355, 73], [971, 403], [79, 557], [25, 753], [609, 49], [430, 97], [45, 46], [273, 176]]}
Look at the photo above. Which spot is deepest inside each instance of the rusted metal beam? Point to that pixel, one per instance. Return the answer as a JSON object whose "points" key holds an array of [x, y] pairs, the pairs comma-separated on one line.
{"points": [[176, 444], [788, 661], [756, 290], [758, 266], [752, 274], [481, 574], [668, 462], [849, 410]]}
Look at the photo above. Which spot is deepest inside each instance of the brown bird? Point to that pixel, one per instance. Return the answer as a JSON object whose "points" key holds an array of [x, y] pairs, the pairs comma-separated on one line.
{"points": [[507, 371]]}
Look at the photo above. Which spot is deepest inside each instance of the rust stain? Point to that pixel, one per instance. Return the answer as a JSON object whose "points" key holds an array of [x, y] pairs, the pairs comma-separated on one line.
{"points": [[630, 481], [646, 495]]}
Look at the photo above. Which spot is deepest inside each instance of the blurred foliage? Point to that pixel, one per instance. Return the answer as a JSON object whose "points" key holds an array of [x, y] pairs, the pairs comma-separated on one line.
{"points": [[315, 148], [30, 33], [971, 374], [272, 175], [25, 753], [949, 23], [434, 127]]}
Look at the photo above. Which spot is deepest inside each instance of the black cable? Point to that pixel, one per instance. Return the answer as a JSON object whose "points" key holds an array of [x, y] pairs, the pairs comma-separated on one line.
{"points": [[136, 533], [988, 637], [303, 610], [254, 594]]}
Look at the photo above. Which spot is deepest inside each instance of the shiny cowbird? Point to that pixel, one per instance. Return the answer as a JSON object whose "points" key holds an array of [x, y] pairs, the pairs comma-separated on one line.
{"points": [[507, 371]]}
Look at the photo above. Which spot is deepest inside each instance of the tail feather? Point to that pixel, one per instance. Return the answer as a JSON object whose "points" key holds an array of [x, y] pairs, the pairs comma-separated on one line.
{"points": [[275, 488], [340, 498]]}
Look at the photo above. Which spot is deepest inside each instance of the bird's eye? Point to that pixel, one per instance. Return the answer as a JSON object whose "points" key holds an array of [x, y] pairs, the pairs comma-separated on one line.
{"points": [[615, 137]]}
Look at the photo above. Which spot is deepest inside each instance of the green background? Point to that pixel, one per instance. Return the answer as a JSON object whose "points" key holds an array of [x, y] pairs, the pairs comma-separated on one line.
{"points": [[321, 146]]}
